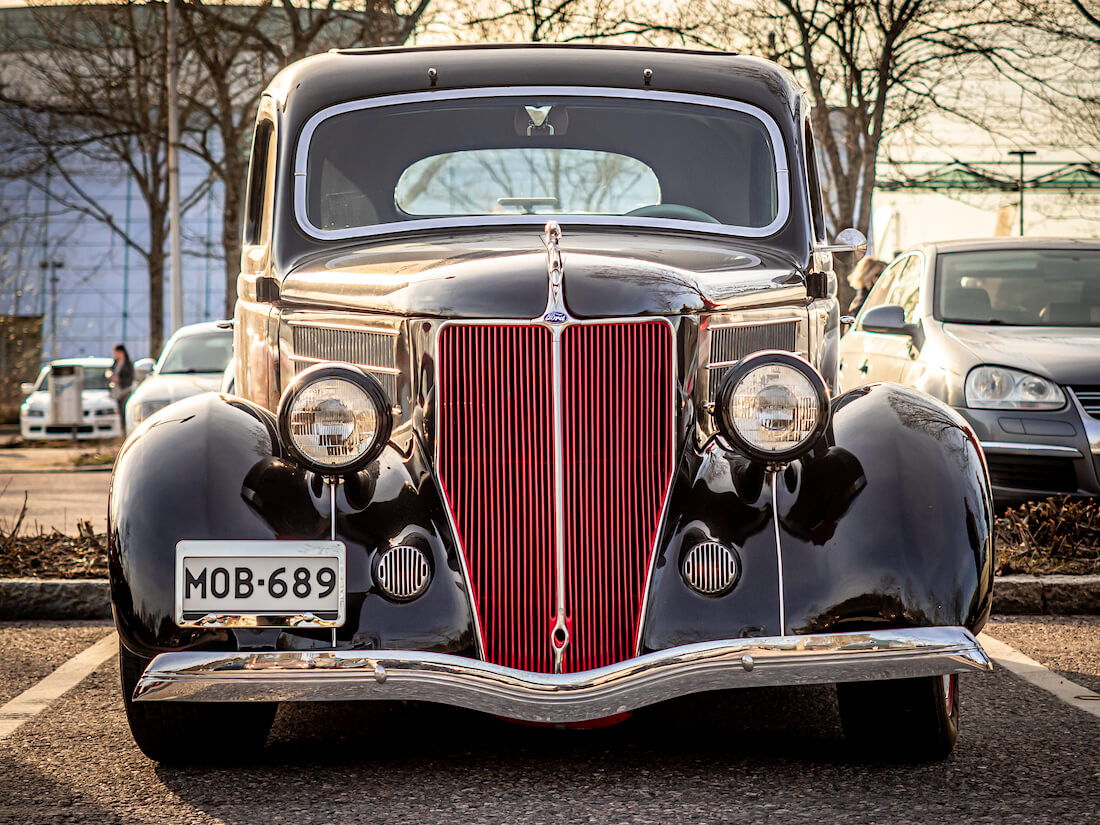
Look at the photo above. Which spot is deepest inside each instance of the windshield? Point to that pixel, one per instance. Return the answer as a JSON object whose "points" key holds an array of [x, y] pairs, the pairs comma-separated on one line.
{"points": [[95, 378], [1019, 287], [514, 156], [209, 352]]}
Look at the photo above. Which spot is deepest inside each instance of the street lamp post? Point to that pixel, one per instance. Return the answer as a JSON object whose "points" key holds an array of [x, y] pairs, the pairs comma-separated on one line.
{"points": [[1021, 153], [49, 271]]}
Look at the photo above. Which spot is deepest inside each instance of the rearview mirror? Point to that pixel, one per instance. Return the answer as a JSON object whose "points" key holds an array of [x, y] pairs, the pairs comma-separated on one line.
{"points": [[142, 368], [888, 318], [849, 240], [26, 388]]}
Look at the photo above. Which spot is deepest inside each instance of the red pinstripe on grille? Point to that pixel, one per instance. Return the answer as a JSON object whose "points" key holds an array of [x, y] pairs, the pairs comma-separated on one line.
{"points": [[496, 468]]}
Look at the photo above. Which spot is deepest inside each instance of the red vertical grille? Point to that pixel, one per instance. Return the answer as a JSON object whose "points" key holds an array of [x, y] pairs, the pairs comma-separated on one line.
{"points": [[496, 466], [618, 457]]}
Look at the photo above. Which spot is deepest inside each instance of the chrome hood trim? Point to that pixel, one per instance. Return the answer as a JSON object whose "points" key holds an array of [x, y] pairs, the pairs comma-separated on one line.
{"points": [[394, 675]]}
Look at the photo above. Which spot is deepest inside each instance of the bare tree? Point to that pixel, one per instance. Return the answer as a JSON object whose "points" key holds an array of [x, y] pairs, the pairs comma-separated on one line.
{"points": [[565, 21], [237, 49], [89, 95], [870, 67]]}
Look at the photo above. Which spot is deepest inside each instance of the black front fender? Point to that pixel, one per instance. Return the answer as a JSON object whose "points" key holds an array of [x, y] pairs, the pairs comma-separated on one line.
{"points": [[211, 467], [887, 524]]}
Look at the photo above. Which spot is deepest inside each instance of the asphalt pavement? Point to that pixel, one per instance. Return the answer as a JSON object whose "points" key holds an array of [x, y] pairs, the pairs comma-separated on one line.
{"points": [[756, 756], [54, 500]]}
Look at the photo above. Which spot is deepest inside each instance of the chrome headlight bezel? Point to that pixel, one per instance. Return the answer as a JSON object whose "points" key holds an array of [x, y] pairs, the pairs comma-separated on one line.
{"points": [[733, 380], [331, 372], [1014, 398]]}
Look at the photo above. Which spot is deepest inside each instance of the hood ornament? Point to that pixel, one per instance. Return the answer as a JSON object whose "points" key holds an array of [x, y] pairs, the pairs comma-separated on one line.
{"points": [[555, 312]]}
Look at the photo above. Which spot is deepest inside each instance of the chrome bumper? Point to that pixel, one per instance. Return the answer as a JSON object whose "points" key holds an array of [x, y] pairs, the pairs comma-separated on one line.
{"points": [[344, 675]]}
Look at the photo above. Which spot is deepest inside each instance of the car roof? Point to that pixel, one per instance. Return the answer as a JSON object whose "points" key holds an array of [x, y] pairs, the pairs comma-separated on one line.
{"points": [[340, 75], [201, 328], [989, 244], [84, 361]]}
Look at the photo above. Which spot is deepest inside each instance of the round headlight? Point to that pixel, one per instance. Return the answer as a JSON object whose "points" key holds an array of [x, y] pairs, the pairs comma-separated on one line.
{"points": [[334, 418], [772, 406]]}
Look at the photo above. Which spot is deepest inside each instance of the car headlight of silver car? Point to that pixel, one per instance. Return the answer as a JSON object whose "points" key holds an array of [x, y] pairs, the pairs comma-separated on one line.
{"points": [[773, 406], [334, 418], [1001, 388], [144, 409]]}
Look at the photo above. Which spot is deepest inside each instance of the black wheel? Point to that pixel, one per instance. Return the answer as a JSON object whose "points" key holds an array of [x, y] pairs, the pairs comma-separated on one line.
{"points": [[183, 732], [904, 719]]}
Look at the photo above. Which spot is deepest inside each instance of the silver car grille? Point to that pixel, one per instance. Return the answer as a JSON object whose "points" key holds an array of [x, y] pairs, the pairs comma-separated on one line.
{"points": [[730, 343], [1089, 398], [375, 351]]}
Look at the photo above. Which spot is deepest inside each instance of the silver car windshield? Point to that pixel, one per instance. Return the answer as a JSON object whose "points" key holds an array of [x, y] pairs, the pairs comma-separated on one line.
{"points": [[198, 353], [1039, 287], [527, 156]]}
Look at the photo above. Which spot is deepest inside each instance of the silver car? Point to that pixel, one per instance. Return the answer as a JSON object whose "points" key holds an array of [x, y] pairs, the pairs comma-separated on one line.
{"points": [[1006, 331], [191, 362]]}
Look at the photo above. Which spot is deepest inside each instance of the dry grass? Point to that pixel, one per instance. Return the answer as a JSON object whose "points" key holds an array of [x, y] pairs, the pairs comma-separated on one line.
{"points": [[1057, 535]]}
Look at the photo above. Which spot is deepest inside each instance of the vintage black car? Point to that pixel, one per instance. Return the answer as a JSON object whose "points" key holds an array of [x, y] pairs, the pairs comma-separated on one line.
{"points": [[535, 361]]}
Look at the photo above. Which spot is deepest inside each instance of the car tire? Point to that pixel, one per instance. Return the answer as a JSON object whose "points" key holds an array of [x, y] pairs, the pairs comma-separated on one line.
{"points": [[190, 732], [909, 720]]}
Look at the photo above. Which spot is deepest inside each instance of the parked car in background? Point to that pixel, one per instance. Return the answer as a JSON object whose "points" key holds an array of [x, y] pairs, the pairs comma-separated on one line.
{"points": [[535, 414], [100, 416], [1006, 331], [191, 362]]}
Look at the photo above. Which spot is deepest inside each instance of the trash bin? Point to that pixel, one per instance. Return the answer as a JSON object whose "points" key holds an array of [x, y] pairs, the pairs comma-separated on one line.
{"points": [[66, 387]]}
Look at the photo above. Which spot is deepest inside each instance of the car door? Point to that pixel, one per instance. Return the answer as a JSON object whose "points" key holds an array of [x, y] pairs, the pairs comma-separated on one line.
{"points": [[874, 356]]}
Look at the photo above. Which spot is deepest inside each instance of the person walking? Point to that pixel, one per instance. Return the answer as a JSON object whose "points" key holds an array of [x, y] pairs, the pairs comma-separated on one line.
{"points": [[122, 380]]}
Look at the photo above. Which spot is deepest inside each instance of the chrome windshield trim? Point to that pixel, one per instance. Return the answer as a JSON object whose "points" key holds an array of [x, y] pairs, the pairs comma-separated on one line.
{"points": [[394, 675], [1020, 448], [779, 153]]}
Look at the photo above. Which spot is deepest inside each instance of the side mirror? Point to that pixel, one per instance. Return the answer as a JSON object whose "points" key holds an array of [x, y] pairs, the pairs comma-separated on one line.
{"points": [[142, 368], [887, 318], [26, 388], [849, 240]]}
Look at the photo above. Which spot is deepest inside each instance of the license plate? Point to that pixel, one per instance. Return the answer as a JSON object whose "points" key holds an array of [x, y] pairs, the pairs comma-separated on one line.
{"points": [[260, 583]]}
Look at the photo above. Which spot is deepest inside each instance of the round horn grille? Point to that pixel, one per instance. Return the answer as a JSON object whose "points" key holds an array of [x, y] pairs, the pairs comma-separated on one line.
{"points": [[711, 568], [403, 572]]}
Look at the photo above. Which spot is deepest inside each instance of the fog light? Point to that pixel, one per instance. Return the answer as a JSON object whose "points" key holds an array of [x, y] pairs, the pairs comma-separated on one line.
{"points": [[403, 572], [711, 568]]}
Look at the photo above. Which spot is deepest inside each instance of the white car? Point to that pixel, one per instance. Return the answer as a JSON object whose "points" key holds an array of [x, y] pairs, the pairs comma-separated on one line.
{"points": [[191, 362], [100, 418]]}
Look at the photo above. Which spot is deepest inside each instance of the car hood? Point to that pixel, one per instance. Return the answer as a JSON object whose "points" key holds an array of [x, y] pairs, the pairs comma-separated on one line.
{"points": [[90, 400], [174, 386], [1066, 355], [504, 275]]}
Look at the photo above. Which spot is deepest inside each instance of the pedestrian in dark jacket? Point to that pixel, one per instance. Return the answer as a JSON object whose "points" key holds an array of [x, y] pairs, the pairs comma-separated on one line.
{"points": [[122, 380]]}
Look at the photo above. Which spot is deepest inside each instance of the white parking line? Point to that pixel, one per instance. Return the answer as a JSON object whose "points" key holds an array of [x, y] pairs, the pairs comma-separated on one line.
{"points": [[36, 699], [1034, 673]]}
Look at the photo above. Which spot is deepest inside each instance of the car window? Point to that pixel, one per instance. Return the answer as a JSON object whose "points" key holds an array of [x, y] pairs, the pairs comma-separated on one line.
{"points": [[884, 285], [536, 180], [198, 353], [905, 289], [514, 155], [1021, 287]]}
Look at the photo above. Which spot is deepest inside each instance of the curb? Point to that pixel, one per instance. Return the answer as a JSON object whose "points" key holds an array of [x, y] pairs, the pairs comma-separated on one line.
{"points": [[95, 468], [54, 599], [22, 599]]}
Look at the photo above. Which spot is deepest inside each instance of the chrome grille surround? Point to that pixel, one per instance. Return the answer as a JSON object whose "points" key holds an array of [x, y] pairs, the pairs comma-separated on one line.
{"points": [[711, 568], [372, 349]]}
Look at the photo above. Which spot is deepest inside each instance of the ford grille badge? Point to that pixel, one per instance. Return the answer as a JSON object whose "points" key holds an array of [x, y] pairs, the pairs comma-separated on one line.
{"points": [[555, 312]]}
